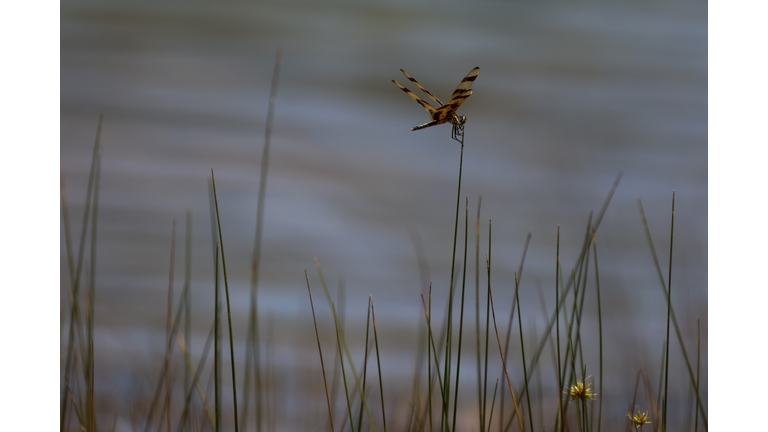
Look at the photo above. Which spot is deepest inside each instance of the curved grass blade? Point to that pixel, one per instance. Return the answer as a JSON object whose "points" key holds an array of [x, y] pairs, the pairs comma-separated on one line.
{"points": [[253, 355], [320, 349], [226, 291]]}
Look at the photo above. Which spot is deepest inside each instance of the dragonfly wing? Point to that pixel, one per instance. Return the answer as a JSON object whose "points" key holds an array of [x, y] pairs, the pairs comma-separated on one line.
{"points": [[461, 93], [427, 106], [413, 80], [425, 125]]}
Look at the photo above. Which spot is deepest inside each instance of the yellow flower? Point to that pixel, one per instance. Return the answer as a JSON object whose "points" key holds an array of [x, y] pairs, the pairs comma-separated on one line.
{"points": [[582, 391], [639, 419]]}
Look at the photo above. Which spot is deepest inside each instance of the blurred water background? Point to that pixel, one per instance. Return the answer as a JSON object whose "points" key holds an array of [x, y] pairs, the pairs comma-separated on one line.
{"points": [[569, 95]]}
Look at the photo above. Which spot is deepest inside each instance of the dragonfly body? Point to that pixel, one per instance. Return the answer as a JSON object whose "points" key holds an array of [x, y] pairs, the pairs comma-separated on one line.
{"points": [[443, 113]]}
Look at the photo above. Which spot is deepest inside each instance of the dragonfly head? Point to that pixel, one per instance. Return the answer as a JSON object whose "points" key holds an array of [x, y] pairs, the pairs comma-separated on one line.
{"points": [[459, 120]]}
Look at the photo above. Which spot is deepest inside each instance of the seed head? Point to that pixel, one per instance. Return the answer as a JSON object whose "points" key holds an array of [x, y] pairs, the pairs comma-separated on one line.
{"points": [[639, 419], [582, 391]]}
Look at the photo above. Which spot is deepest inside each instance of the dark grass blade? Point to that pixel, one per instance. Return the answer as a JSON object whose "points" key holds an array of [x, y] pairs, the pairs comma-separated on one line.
{"points": [[168, 335], [74, 311], [660, 395], [642, 377], [498, 339], [92, 281], [378, 362], [430, 346], [195, 383], [574, 376], [423, 351], [67, 234], [80, 419], [669, 312], [461, 315], [212, 219], [422, 356], [512, 317], [365, 362], [229, 310], [444, 402], [557, 327], [600, 335], [698, 370], [253, 356], [270, 375], [480, 387], [487, 332], [320, 349], [573, 328], [356, 376], [553, 353], [431, 380], [493, 402], [522, 348], [449, 336], [537, 378], [343, 372], [702, 409], [91, 392], [582, 285], [216, 348], [188, 298], [343, 343], [167, 400]]}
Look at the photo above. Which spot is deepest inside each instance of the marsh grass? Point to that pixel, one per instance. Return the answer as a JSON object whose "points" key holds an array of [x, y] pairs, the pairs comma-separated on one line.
{"points": [[438, 346]]}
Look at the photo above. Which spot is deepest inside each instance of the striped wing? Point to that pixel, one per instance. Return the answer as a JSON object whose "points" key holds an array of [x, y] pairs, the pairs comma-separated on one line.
{"points": [[462, 92], [413, 80], [427, 106]]}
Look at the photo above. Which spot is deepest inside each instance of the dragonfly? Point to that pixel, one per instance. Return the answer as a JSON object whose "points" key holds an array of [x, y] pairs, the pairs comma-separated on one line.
{"points": [[444, 113]]}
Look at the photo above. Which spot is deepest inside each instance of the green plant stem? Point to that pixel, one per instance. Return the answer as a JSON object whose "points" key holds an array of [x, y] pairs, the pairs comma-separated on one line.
{"points": [[344, 344], [449, 334], [461, 316], [487, 332], [434, 352], [365, 364], [226, 291], [498, 340], [493, 402], [343, 373], [671, 308], [378, 362], [188, 297], [253, 355], [195, 381], [698, 370], [90, 300], [430, 345], [168, 335], [74, 315], [522, 349], [164, 369], [669, 313], [557, 327], [216, 352], [320, 349], [480, 387], [512, 314], [600, 333]]}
